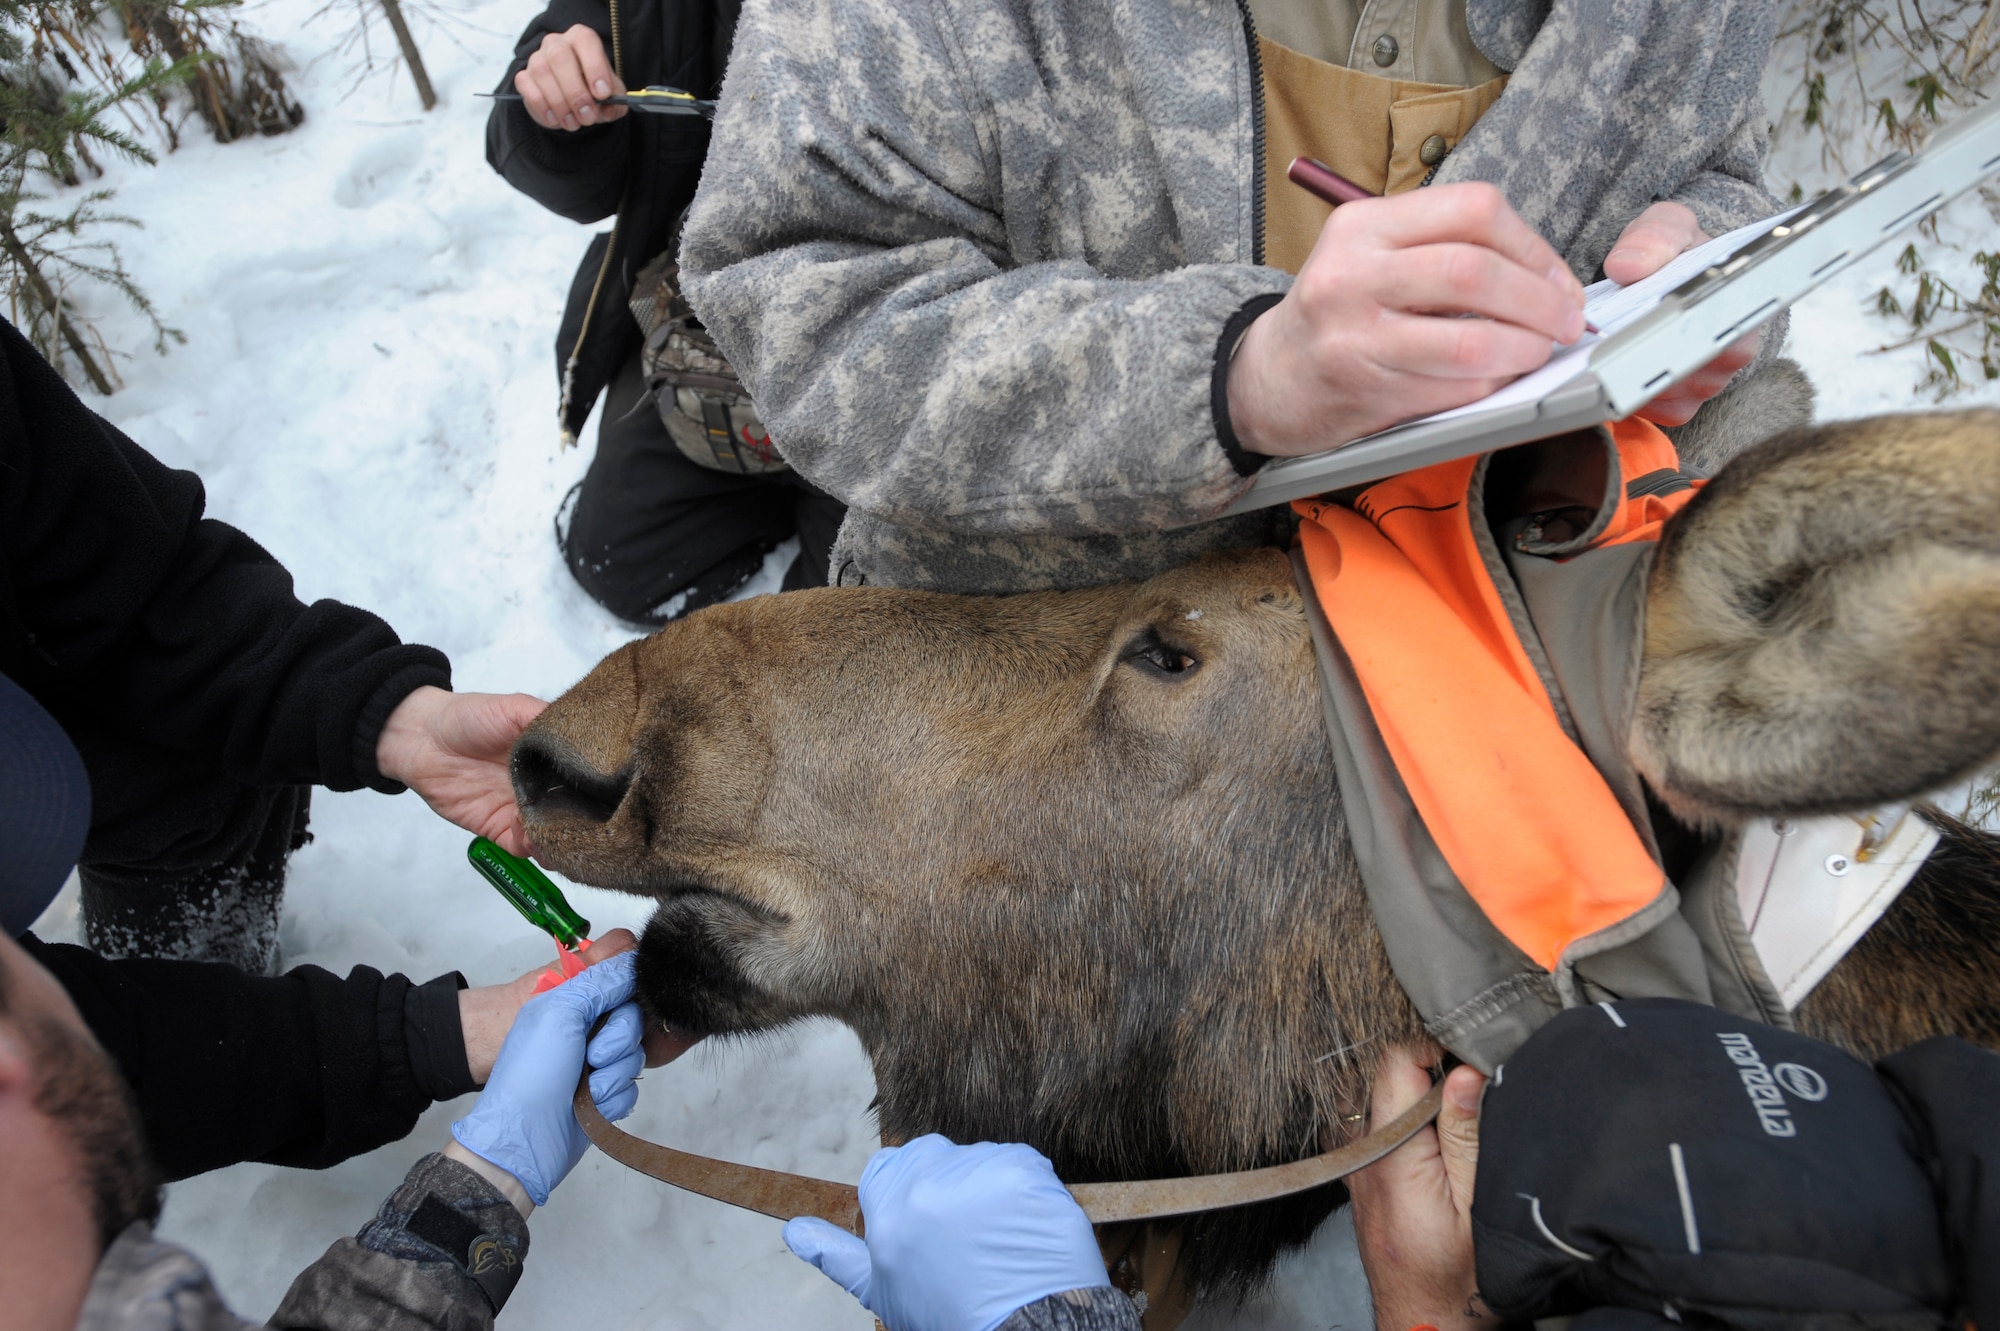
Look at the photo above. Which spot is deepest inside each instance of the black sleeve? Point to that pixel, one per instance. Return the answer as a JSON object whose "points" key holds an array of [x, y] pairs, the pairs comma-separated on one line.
{"points": [[577, 174], [116, 592], [302, 1069]]}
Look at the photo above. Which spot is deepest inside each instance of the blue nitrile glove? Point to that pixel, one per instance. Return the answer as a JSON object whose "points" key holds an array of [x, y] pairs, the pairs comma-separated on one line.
{"points": [[959, 1237], [524, 1121]]}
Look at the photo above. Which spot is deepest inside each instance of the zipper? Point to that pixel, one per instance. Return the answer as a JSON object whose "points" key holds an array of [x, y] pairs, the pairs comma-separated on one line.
{"points": [[603, 268], [1256, 133]]}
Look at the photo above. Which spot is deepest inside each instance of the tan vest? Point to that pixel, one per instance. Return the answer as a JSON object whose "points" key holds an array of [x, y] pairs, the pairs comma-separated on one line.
{"points": [[1384, 134]]}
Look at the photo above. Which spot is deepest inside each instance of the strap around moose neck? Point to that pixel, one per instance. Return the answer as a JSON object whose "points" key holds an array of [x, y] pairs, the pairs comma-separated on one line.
{"points": [[787, 1195]]}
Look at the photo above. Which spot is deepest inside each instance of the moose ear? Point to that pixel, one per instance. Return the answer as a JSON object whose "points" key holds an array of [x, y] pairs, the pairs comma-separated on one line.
{"points": [[1823, 623]]}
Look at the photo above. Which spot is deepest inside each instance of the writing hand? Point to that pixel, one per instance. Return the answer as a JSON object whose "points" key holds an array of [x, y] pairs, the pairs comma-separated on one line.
{"points": [[566, 78], [1653, 239], [1370, 333]]}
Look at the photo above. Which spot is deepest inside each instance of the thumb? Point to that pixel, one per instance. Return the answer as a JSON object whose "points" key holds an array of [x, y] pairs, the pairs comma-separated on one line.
{"points": [[840, 1256], [595, 990], [1458, 1133]]}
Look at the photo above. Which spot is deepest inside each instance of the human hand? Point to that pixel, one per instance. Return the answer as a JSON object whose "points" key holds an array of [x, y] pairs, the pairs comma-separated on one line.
{"points": [[1413, 1208], [958, 1237], [486, 1014], [566, 78], [524, 1121], [1652, 240], [1369, 334], [452, 749]]}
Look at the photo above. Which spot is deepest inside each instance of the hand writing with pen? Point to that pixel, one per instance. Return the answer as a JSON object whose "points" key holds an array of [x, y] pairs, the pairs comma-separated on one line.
{"points": [[1376, 330]]}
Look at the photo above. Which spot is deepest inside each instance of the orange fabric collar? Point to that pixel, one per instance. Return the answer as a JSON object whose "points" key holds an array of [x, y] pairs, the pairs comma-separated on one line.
{"points": [[1522, 817]]}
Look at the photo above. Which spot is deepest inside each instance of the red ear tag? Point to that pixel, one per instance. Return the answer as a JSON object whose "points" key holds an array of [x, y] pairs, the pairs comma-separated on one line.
{"points": [[568, 963]]}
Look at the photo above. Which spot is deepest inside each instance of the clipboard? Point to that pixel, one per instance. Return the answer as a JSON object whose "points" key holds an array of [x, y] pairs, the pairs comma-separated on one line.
{"points": [[1667, 327]]}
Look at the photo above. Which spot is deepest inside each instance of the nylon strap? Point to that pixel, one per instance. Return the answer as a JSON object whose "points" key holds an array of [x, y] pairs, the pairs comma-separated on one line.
{"points": [[787, 1195]]}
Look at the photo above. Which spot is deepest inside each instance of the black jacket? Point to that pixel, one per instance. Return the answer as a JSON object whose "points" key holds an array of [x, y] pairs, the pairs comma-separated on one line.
{"points": [[651, 163], [120, 603], [302, 1069]]}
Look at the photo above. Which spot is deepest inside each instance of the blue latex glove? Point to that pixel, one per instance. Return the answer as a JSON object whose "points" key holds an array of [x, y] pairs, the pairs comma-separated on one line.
{"points": [[959, 1237], [524, 1121]]}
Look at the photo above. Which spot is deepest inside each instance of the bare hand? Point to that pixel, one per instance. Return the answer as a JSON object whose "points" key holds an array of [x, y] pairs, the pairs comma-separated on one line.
{"points": [[1413, 1208], [1369, 334], [567, 78], [487, 1013], [1655, 238], [452, 749]]}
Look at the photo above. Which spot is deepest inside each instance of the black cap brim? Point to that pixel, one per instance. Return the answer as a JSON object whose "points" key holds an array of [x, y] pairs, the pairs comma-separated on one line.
{"points": [[44, 808]]}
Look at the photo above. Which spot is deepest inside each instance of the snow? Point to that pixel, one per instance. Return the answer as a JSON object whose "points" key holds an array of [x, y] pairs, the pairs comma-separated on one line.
{"points": [[367, 387]]}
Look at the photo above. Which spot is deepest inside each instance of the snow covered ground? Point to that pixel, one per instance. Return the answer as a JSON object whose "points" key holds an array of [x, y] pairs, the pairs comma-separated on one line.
{"points": [[367, 387]]}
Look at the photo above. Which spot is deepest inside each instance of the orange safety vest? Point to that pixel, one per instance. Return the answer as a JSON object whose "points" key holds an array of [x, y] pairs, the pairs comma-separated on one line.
{"points": [[1522, 817]]}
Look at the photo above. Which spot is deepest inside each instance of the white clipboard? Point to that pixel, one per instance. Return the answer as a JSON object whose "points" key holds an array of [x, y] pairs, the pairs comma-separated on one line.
{"points": [[1660, 331]]}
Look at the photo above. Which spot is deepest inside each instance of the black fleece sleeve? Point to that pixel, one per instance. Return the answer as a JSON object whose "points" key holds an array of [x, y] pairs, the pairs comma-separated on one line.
{"points": [[116, 591], [578, 174], [302, 1069]]}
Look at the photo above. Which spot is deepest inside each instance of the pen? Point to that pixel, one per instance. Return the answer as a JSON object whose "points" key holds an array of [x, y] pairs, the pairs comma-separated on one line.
{"points": [[658, 99], [1330, 187], [1323, 183]]}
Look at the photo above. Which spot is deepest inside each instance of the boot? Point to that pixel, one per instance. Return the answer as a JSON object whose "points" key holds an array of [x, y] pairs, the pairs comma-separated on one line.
{"points": [[225, 912]]}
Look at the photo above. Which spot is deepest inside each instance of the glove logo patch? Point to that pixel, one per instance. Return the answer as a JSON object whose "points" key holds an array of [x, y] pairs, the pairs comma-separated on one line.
{"points": [[487, 1256], [1766, 1086], [1801, 1081]]}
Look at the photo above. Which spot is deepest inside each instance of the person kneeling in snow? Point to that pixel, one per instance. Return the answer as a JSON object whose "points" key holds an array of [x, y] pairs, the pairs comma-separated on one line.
{"points": [[686, 493], [79, 1189], [206, 699], [203, 695]]}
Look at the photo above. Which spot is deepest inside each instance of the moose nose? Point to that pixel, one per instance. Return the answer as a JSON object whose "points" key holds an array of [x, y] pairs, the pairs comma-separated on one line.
{"points": [[550, 781]]}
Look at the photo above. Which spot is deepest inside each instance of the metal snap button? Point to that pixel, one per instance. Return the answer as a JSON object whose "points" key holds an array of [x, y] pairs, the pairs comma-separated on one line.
{"points": [[1839, 865], [1433, 149], [1386, 50]]}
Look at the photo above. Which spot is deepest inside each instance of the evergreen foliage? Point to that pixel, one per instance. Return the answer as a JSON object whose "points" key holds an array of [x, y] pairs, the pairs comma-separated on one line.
{"points": [[65, 83], [1875, 76]]}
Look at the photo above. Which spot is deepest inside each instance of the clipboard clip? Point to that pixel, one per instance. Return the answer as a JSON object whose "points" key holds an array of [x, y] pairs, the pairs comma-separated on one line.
{"points": [[1819, 210]]}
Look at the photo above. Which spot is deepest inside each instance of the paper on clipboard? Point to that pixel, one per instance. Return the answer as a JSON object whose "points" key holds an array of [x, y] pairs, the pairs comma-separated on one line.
{"points": [[1659, 331], [1612, 309]]}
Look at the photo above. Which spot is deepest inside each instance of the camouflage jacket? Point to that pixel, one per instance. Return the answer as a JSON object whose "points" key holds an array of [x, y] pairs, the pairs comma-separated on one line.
{"points": [[974, 257], [389, 1278]]}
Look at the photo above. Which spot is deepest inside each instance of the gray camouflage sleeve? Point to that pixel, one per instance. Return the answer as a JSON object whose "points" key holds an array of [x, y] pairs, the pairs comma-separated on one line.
{"points": [[1730, 191], [442, 1254], [1102, 1309], [865, 250]]}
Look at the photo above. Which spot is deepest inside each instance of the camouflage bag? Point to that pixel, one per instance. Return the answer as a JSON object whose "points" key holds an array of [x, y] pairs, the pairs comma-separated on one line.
{"points": [[700, 400]]}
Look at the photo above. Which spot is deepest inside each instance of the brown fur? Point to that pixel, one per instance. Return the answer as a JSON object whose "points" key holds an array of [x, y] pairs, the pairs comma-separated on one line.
{"points": [[1067, 896], [1823, 626]]}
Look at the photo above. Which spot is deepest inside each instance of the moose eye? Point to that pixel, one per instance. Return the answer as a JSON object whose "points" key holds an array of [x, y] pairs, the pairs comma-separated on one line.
{"points": [[1155, 656]]}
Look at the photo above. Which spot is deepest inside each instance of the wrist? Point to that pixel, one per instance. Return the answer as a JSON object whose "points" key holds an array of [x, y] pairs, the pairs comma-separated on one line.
{"points": [[1437, 1312], [508, 1186], [485, 1015], [1235, 395], [407, 731]]}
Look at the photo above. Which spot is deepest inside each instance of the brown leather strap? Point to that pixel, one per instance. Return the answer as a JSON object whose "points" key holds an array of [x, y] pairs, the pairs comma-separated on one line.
{"points": [[788, 1195]]}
